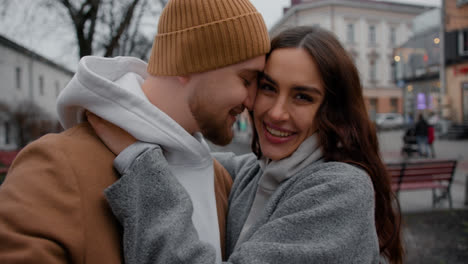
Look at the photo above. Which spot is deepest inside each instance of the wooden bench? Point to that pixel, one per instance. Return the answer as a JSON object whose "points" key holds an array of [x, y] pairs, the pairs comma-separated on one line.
{"points": [[436, 175]]}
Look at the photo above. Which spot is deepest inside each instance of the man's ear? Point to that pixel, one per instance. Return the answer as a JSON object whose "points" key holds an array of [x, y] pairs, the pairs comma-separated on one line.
{"points": [[183, 79]]}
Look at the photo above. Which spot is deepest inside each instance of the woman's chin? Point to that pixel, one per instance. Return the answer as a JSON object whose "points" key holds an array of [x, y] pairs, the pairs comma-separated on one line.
{"points": [[276, 148], [275, 152]]}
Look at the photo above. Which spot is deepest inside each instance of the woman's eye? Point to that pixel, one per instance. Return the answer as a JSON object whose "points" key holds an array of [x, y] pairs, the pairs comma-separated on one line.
{"points": [[304, 97]]}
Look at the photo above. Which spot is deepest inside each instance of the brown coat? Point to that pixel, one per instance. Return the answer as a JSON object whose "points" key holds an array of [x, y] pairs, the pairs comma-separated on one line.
{"points": [[52, 207]]}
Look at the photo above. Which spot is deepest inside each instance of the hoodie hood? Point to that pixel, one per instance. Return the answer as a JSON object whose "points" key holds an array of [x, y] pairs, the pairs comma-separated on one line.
{"points": [[111, 89]]}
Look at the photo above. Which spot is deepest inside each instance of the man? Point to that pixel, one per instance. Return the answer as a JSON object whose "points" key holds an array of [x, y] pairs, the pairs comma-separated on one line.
{"points": [[200, 75]]}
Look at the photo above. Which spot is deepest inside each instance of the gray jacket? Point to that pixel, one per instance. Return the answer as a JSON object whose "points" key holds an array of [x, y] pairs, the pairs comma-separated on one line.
{"points": [[323, 214]]}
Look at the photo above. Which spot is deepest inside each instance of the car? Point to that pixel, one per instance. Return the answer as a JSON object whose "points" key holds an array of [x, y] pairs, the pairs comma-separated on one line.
{"points": [[389, 121]]}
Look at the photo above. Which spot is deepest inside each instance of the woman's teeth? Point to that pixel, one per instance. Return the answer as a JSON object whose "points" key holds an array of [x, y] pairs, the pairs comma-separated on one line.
{"points": [[277, 133]]}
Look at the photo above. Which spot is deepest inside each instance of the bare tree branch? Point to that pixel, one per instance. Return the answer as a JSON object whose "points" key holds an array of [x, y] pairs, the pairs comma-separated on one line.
{"points": [[105, 27], [123, 26], [133, 36], [4, 7]]}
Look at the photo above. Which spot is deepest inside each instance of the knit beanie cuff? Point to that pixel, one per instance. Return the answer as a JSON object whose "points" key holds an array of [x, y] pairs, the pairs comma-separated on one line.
{"points": [[209, 46]]}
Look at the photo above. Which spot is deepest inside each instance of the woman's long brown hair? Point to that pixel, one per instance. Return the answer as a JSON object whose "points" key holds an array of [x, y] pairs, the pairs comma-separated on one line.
{"points": [[344, 128]]}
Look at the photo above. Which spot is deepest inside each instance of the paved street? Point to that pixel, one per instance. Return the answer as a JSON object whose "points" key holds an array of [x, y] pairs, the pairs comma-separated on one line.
{"points": [[390, 145]]}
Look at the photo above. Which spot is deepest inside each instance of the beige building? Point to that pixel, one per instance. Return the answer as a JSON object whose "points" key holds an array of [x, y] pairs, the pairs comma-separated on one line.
{"points": [[417, 66], [369, 30], [26, 77], [456, 57]]}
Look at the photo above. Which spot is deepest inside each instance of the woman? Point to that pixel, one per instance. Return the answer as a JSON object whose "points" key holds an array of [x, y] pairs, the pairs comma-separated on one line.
{"points": [[315, 189]]}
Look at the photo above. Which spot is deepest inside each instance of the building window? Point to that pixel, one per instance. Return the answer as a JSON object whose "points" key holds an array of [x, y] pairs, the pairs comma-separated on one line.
{"points": [[7, 133], [393, 36], [18, 78], [463, 42], [465, 101], [41, 85], [350, 33], [372, 35], [461, 3], [373, 104], [372, 71], [392, 72], [57, 88], [394, 105]]}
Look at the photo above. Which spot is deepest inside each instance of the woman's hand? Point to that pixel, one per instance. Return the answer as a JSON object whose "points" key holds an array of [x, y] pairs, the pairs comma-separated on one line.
{"points": [[115, 138]]}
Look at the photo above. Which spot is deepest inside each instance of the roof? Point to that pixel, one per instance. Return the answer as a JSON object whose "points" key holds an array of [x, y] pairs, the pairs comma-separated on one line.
{"points": [[361, 4], [27, 52]]}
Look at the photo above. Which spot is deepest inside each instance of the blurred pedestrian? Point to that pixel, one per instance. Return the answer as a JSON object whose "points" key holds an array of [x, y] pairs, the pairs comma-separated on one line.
{"points": [[430, 140], [421, 132]]}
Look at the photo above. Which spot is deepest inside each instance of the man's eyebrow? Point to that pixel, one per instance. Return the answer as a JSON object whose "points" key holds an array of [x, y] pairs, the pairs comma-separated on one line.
{"points": [[265, 76], [250, 72]]}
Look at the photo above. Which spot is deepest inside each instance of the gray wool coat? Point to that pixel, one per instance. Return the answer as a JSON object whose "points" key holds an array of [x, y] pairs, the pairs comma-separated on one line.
{"points": [[322, 214]]}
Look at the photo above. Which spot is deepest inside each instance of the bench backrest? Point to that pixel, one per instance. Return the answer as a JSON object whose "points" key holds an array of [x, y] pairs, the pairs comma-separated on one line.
{"points": [[423, 171], [394, 170], [7, 157]]}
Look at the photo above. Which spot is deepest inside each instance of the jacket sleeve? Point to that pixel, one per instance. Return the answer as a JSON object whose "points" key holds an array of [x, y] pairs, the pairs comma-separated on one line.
{"points": [[156, 214], [39, 208], [234, 163], [312, 223]]}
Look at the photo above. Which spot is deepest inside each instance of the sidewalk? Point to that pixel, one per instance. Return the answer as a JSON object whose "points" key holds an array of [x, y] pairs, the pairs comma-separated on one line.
{"points": [[433, 235]]}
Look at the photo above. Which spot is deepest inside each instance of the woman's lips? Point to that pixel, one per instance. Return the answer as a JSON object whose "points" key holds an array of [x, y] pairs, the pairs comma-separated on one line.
{"points": [[277, 135]]}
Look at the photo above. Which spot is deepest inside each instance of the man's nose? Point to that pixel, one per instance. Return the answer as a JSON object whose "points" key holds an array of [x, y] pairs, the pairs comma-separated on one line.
{"points": [[250, 99]]}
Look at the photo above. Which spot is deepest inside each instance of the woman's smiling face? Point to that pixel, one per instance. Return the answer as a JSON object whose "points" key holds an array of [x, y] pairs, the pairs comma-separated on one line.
{"points": [[288, 97]]}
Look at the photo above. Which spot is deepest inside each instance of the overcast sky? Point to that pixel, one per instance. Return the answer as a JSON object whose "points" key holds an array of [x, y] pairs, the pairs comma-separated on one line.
{"points": [[49, 42], [273, 9]]}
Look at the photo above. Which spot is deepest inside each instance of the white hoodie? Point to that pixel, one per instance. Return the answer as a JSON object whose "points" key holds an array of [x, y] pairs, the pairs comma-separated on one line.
{"points": [[111, 88]]}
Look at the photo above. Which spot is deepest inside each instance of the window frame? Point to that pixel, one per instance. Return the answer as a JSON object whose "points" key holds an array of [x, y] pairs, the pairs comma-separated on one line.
{"points": [[350, 33], [373, 70], [393, 36], [18, 77], [463, 42], [372, 34], [41, 85]]}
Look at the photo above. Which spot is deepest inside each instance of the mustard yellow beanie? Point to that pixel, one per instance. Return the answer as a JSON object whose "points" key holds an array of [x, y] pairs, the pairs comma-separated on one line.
{"points": [[201, 35]]}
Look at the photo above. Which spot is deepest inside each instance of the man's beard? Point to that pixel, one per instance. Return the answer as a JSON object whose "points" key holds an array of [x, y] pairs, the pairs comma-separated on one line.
{"points": [[212, 125]]}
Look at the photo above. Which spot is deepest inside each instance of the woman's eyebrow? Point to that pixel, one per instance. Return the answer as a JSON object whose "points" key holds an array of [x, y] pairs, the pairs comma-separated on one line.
{"points": [[311, 89], [299, 88]]}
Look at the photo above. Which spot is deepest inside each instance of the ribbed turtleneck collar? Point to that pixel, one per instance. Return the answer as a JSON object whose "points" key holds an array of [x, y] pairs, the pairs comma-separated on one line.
{"points": [[276, 171]]}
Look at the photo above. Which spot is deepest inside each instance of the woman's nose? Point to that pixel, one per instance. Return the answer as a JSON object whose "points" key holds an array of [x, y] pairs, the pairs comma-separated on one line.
{"points": [[279, 111]]}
